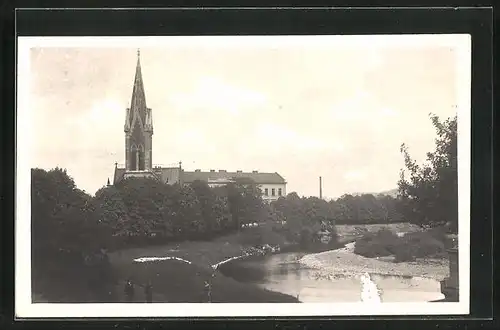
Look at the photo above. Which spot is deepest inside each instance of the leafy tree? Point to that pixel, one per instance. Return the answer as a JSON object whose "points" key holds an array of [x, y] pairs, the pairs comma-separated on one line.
{"points": [[63, 217], [206, 197], [65, 232], [113, 213], [429, 192], [245, 201], [304, 217]]}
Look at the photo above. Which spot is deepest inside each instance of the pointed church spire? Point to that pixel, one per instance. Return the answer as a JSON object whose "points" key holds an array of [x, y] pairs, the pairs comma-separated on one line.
{"points": [[108, 182], [138, 102]]}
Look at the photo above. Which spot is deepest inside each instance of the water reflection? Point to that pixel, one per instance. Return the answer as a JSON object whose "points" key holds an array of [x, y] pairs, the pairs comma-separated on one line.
{"points": [[283, 273]]}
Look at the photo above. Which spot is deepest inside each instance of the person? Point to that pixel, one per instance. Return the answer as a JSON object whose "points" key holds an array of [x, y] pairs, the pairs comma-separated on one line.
{"points": [[208, 289], [129, 291], [148, 291]]}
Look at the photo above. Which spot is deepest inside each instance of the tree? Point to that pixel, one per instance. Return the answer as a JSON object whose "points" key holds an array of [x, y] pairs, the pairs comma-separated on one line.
{"points": [[113, 214], [245, 201], [206, 197], [429, 192], [190, 214], [65, 232], [63, 217]]}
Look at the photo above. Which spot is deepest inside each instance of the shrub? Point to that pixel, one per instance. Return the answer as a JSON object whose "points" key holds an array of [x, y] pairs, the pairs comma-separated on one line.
{"points": [[404, 254], [371, 249], [407, 248], [424, 244]]}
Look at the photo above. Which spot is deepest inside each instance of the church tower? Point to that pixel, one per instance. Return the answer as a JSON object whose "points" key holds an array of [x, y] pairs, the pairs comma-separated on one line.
{"points": [[138, 128]]}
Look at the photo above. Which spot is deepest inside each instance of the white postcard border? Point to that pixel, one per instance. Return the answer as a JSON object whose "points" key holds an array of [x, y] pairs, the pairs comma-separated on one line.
{"points": [[26, 309]]}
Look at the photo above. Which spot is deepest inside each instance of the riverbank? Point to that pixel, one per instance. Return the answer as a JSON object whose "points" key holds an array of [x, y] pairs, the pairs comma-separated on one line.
{"points": [[345, 262], [187, 272]]}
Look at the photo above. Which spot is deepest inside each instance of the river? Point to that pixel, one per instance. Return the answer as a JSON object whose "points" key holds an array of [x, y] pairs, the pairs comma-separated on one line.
{"points": [[283, 273]]}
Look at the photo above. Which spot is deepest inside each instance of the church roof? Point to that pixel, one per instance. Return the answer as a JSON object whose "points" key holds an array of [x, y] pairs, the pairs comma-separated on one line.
{"points": [[119, 172], [257, 177]]}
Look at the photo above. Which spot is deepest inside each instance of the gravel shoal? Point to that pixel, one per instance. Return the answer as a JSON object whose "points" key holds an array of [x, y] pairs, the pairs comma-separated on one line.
{"points": [[345, 261]]}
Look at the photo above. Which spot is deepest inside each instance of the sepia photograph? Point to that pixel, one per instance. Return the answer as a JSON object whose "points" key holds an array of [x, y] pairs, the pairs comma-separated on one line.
{"points": [[243, 175]]}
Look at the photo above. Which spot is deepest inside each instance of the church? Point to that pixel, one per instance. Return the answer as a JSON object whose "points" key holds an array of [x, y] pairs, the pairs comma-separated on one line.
{"points": [[138, 130]]}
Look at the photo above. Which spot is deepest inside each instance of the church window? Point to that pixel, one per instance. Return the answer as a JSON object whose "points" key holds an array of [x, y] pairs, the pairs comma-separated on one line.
{"points": [[279, 192], [273, 192], [266, 192]]}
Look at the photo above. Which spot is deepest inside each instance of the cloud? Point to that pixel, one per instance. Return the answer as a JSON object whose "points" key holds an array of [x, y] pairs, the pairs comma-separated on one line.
{"points": [[214, 95], [279, 137], [361, 107], [354, 175]]}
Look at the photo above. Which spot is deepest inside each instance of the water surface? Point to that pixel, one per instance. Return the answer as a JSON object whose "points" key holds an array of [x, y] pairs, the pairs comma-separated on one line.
{"points": [[283, 273]]}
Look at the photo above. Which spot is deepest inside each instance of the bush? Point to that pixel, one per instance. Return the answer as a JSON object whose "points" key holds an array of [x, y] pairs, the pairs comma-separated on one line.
{"points": [[407, 248], [405, 253], [379, 244], [424, 244]]}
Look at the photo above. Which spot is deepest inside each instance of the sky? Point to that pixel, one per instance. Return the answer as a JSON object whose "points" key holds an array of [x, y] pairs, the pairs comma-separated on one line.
{"points": [[304, 110]]}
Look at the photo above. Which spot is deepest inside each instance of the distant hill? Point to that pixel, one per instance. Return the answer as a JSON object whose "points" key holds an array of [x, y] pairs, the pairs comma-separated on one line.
{"points": [[393, 193]]}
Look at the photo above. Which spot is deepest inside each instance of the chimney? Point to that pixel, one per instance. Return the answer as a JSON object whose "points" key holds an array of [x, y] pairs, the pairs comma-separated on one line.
{"points": [[320, 189], [197, 170], [212, 171]]}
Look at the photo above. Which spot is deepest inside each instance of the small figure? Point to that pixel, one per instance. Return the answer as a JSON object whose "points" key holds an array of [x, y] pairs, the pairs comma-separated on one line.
{"points": [[208, 288], [148, 291], [129, 291]]}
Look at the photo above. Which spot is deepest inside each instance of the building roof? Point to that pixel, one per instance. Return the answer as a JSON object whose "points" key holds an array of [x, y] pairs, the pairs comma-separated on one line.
{"points": [[257, 177], [119, 172], [163, 173], [221, 176]]}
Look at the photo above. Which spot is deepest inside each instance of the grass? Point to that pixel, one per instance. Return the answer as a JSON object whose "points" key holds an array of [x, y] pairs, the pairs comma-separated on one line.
{"points": [[177, 282], [172, 280], [413, 245]]}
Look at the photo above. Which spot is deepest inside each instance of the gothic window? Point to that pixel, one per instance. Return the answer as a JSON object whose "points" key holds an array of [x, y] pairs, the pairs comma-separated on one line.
{"points": [[140, 154], [133, 157]]}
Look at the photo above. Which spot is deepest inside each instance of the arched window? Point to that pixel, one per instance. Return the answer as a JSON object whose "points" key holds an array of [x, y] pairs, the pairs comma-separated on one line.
{"points": [[133, 157], [141, 157]]}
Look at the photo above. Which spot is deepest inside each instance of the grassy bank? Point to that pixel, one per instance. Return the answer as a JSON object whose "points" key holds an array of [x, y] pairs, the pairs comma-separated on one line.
{"points": [[172, 280], [178, 282], [186, 282]]}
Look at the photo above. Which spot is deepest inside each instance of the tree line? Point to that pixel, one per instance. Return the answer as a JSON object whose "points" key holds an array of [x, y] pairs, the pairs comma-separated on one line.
{"points": [[68, 224], [140, 209]]}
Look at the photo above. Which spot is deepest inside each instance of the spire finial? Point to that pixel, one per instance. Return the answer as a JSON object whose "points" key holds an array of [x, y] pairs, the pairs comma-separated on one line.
{"points": [[138, 52]]}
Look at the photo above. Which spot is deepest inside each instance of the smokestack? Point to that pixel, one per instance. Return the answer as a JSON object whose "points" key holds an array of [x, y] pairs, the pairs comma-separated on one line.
{"points": [[320, 189]]}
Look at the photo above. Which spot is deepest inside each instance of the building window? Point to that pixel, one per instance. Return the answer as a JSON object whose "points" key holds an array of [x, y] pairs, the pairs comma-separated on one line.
{"points": [[266, 192], [279, 191], [273, 192]]}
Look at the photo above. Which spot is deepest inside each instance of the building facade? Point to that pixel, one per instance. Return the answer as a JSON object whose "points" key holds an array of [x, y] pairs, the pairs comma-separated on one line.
{"points": [[138, 130]]}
